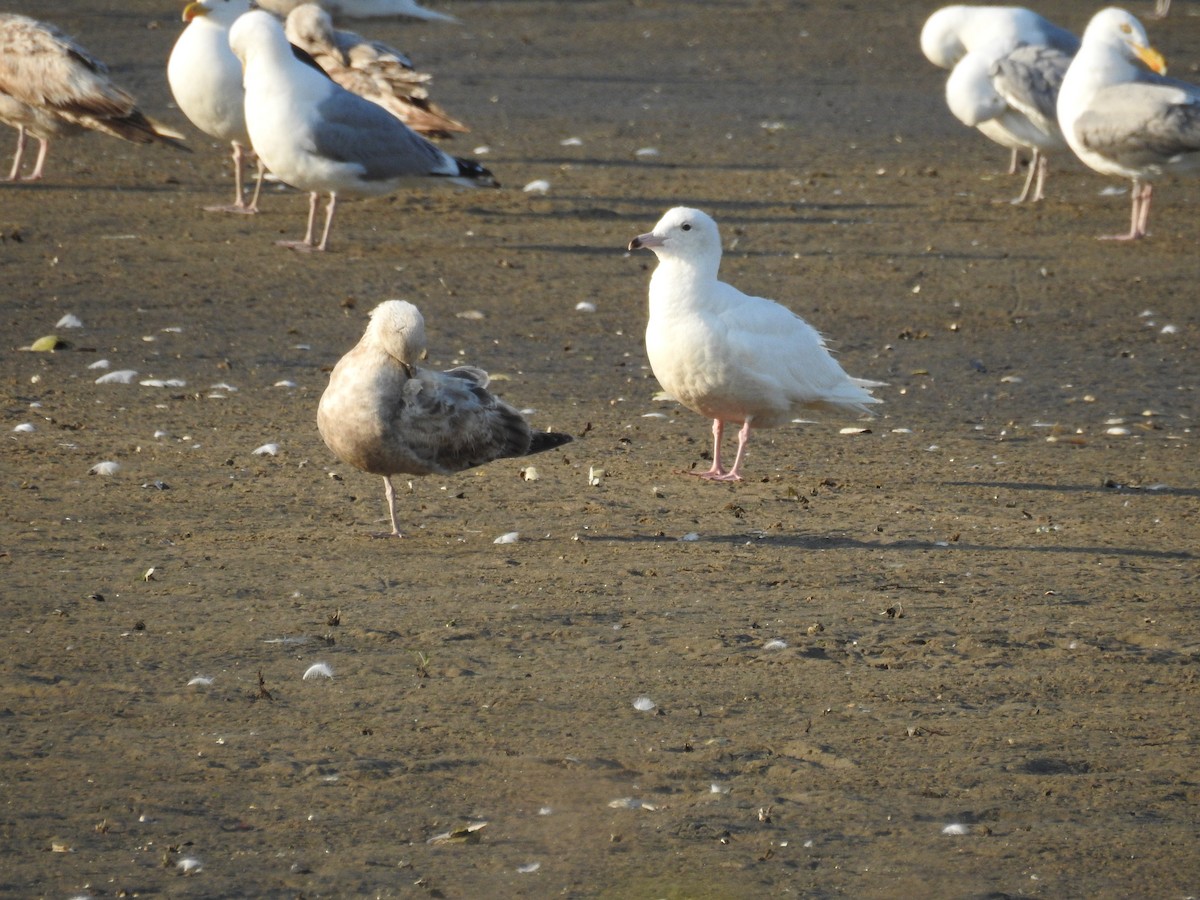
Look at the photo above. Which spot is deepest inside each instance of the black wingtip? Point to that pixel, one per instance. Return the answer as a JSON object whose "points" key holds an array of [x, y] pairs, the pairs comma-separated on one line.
{"points": [[547, 440], [473, 172]]}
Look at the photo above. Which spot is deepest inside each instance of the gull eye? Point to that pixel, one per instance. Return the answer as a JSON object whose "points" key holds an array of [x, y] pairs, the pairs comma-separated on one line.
{"points": [[1126, 28], [687, 226]]}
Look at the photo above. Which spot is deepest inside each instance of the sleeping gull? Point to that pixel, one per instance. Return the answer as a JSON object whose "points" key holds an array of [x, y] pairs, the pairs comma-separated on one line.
{"points": [[206, 81], [1121, 118], [316, 136], [362, 9], [51, 87], [1006, 64], [373, 70], [729, 356], [384, 415]]}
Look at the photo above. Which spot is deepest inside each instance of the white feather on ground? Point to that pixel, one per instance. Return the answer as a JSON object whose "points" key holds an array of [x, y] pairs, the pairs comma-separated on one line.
{"points": [[383, 414], [729, 356]]}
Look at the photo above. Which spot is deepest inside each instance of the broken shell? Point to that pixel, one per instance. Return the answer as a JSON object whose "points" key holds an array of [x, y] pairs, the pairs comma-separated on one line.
{"points": [[266, 450], [530, 473], [510, 538], [108, 467], [644, 704], [120, 376]]}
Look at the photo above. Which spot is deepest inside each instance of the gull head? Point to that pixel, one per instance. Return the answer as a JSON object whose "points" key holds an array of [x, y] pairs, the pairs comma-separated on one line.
{"points": [[399, 329], [1120, 33], [940, 39], [222, 12], [682, 234], [254, 30], [308, 25]]}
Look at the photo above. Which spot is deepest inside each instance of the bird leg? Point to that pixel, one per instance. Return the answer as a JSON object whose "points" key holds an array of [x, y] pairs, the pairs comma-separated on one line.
{"points": [[1037, 173], [329, 211], [20, 151], [743, 440], [307, 244], [1139, 215], [715, 472], [1014, 161], [258, 183], [390, 493], [239, 202], [39, 166]]}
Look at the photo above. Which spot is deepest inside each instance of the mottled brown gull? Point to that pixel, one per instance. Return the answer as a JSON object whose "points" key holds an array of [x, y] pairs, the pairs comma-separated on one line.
{"points": [[727, 355], [371, 69], [383, 414], [52, 87]]}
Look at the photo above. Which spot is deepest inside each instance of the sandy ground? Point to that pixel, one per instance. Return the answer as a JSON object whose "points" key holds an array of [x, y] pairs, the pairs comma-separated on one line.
{"points": [[978, 612]]}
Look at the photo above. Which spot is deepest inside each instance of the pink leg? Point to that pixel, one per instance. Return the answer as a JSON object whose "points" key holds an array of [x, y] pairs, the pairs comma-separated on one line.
{"points": [[258, 183], [1139, 214], [239, 203], [20, 151], [715, 471], [39, 167], [307, 244], [734, 474], [1014, 161], [329, 211], [390, 493], [1034, 165], [1039, 193]]}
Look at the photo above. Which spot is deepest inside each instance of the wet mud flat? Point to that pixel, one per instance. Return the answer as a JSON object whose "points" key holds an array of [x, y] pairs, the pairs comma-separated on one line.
{"points": [[975, 610]]}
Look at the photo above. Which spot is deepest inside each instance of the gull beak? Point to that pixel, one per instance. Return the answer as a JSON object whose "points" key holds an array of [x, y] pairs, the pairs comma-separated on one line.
{"points": [[646, 242], [1151, 58], [194, 9]]}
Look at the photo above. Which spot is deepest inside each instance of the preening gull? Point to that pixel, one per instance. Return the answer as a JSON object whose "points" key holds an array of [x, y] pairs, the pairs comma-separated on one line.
{"points": [[1122, 119], [51, 87], [362, 9], [206, 81], [1006, 65], [384, 415], [729, 356], [373, 70], [316, 136]]}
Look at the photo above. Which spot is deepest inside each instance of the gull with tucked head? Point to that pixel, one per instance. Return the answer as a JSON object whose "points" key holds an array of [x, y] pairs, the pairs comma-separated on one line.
{"points": [[383, 414], [727, 355]]}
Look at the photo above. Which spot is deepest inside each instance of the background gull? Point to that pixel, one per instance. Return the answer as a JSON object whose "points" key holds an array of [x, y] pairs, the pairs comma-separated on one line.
{"points": [[362, 9], [382, 414], [52, 87], [1011, 102], [371, 69], [206, 81], [729, 356], [1121, 118], [316, 136]]}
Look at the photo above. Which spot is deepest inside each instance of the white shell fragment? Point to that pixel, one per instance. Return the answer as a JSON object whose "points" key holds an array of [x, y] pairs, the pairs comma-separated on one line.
{"points": [[120, 376], [200, 681], [510, 537], [775, 644], [537, 186], [100, 364], [530, 473], [529, 867], [163, 382], [69, 321], [631, 803], [318, 670], [571, 142], [595, 475], [956, 828], [585, 306], [854, 429], [690, 537], [108, 467], [24, 428], [266, 450], [645, 152], [285, 383], [1117, 429], [644, 704], [189, 865]]}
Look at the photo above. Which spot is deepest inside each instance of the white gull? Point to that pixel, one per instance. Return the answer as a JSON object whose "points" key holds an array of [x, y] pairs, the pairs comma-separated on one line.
{"points": [[1123, 119], [316, 136], [729, 356], [206, 81], [384, 415]]}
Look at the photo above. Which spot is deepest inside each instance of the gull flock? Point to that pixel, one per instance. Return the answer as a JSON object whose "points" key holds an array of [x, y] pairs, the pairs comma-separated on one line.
{"points": [[329, 112]]}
